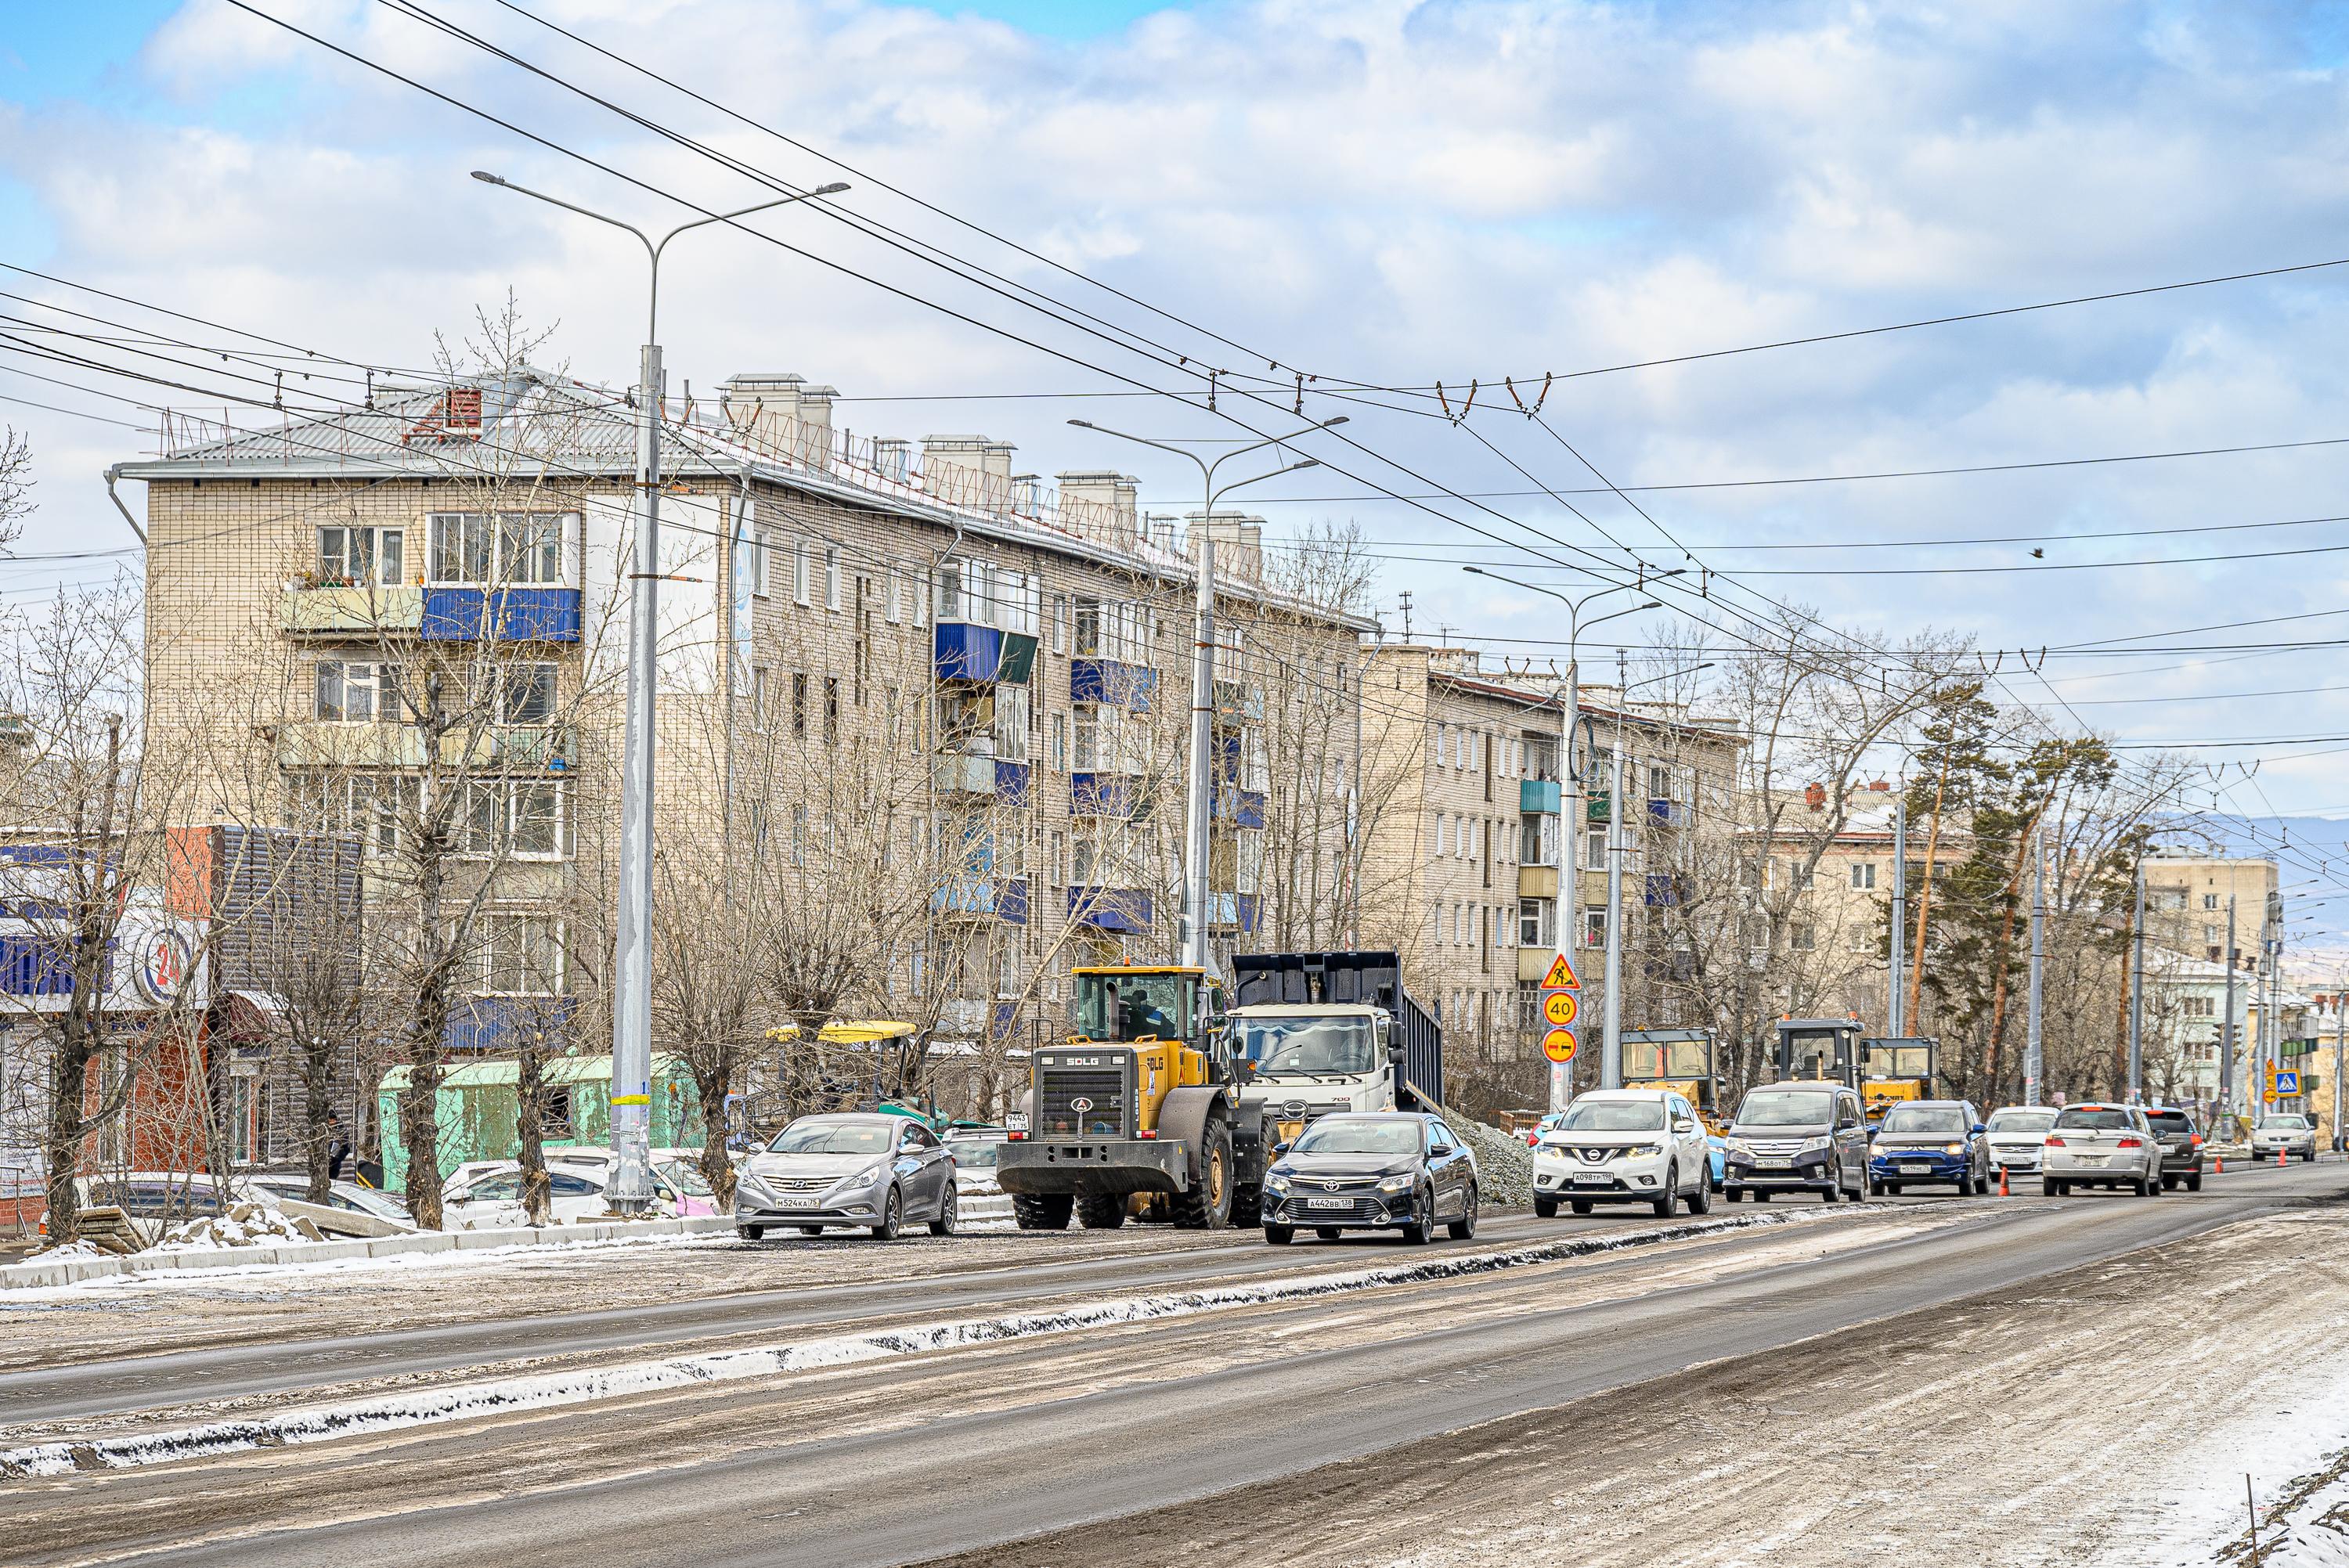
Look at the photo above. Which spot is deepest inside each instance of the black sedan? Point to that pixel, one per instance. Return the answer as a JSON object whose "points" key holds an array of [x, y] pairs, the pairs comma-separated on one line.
{"points": [[1371, 1170]]}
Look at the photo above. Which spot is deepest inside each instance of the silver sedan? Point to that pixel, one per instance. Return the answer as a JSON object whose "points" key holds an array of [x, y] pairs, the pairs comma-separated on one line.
{"points": [[2286, 1134], [854, 1170]]}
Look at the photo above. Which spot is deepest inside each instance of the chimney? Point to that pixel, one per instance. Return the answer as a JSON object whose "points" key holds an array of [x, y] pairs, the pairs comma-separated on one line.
{"points": [[1100, 504], [892, 458], [971, 469], [781, 413], [1815, 796], [1239, 542], [1879, 787], [1027, 494]]}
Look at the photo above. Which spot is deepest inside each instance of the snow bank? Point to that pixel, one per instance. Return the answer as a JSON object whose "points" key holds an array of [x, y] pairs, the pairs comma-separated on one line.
{"points": [[2307, 1546], [245, 1225], [546, 1391]]}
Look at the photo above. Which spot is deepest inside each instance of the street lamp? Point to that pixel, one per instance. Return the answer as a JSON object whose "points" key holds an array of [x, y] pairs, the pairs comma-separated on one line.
{"points": [[1203, 665], [1570, 820], [632, 993]]}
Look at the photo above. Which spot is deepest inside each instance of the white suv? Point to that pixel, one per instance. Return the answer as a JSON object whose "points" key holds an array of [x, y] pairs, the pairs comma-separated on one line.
{"points": [[2100, 1146], [1624, 1146]]}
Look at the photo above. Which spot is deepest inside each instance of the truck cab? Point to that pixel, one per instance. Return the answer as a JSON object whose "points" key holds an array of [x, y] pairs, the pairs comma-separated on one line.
{"points": [[1314, 1033], [1685, 1062], [1816, 1050], [1895, 1070]]}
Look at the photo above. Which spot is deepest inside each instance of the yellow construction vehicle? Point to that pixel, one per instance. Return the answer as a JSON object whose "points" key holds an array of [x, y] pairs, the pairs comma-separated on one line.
{"points": [[1684, 1061], [1138, 1100], [1895, 1069]]}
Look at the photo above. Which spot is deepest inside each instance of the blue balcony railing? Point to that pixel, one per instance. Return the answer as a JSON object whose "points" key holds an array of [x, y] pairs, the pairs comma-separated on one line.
{"points": [[453, 614], [1110, 681], [1122, 908]]}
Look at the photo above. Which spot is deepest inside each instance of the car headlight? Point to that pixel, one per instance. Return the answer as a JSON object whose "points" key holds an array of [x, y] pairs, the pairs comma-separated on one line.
{"points": [[1954, 1149], [1737, 1146], [1393, 1185], [748, 1185], [1276, 1181], [1638, 1150], [1815, 1146], [870, 1177]]}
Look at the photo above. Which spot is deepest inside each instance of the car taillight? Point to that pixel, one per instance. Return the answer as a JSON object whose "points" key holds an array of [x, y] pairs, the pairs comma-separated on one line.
{"points": [[1015, 1137], [2195, 1142], [2130, 1144], [1147, 1132], [2054, 1141]]}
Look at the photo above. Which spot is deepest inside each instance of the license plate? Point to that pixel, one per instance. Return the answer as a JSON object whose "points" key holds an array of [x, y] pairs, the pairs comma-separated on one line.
{"points": [[1592, 1179], [796, 1203], [2089, 1159], [1775, 1164], [1328, 1202], [1016, 1121], [1915, 1170]]}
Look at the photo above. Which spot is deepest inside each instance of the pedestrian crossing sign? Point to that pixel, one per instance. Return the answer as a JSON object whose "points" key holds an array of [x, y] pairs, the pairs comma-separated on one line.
{"points": [[2287, 1081]]}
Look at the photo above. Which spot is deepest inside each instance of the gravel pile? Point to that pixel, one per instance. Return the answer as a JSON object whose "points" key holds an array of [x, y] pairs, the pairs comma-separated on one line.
{"points": [[1505, 1166], [245, 1225]]}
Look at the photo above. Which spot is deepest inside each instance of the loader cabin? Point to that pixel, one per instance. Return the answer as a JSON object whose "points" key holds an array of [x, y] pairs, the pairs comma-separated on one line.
{"points": [[1898, 1069], [1819, 1049], [1132, 1001], [1681, 1060]]}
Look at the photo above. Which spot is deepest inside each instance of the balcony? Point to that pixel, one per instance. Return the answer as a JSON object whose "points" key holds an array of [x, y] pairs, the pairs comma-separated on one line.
{"points": [[1012, 783], [1666, 813], [1595, 807], [962, 775], [1119, 795], [1108, 680], [1662, 891], [1241, 808], [966, 651], [1119, 909], [322, 743], [984, 897], [346, 612], [1538, 797], [459, 615], [1536, 881], [1532, 964], [1239, 912]]}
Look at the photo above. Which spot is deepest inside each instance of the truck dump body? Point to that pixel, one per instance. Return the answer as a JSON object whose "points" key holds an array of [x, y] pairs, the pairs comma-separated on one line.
{"points": [[1373, 978]]}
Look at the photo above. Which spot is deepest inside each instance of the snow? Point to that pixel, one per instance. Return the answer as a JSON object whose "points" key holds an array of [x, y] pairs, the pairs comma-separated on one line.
{"points": [[245, 1225], [552, 1389]]}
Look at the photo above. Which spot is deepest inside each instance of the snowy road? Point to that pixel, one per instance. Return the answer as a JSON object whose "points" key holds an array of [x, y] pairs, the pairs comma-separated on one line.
{"points": [[930, 1453]]}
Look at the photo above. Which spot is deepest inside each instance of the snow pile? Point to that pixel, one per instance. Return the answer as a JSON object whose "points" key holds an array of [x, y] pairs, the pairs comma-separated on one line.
{"points": [[1505, 1166], [84, 1248], [245, 1225], [2315, 1545]]}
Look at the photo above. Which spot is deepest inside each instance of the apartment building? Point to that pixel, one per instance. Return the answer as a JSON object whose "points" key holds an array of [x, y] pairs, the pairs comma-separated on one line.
{"points": [[2191, 897], [922, 715], [1462, 839]]}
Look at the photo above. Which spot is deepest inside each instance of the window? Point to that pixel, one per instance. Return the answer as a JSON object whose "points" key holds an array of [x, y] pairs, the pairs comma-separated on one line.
{"points": [[461, 548], [1863, 875], [1535, 923], [357, 557], [530, 549], [1060, 623], [510, 548], [894, 602], [1059, 867], [831, 710], [1800, 937], [522, 954], [1660, 781], [756, 564], [352, 693], [799, 702], [526, 694], [831, 577], [2210, 901], [521, 817], [1060, 753], [1011, 717], [762, 693], [799, 572], [1443, 833]]}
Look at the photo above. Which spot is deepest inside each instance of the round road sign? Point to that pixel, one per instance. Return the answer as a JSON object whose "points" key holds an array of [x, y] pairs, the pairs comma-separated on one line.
{"points": [[1558, 1007], [1558, 1044]]}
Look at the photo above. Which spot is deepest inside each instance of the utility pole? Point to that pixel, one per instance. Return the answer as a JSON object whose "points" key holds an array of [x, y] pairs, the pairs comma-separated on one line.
{"points": [[1610, 1049], [631, 950], [2032, 1060], [1896, 1019], [2136, 995], [2340, 1049], [2227, 1025]]}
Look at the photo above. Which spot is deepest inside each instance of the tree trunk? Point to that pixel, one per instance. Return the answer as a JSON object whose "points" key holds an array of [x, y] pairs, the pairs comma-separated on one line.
{"points": [[530, 1125], [66, 1128], [1925, 895], [713, 1080], [317, 1105]]}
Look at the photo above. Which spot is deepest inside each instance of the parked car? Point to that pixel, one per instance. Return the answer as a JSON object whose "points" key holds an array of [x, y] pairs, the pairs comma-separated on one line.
{"points": [[1922, 1140], [1371, 1170], [348, 1195], [2100, 1146], [2181, 1147], [1624, 1146], [580, 1180], [1797, 1137], [1547, 1124], [859, 1169], [2287, 1134], [2016, 1132], [975, 1150]]}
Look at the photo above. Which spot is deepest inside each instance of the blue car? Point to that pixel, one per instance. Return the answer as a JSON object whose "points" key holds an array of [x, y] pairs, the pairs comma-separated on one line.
{"points": [[1717, 1153], [1942, 1141]]}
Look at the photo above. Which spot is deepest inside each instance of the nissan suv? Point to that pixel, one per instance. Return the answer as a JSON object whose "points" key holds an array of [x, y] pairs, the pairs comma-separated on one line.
{"points": [[2181, 1147]]}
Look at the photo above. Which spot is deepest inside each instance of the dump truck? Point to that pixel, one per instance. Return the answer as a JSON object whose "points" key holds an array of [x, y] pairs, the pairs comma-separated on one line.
{"points": [[1819, 1049], [1893, 1070], [1685, 1061], [1137, 1112], [1313, 1033]]}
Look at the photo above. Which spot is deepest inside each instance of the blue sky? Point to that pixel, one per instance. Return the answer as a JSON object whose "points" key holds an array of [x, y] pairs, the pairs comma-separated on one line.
{"points": [[1398, 192]]}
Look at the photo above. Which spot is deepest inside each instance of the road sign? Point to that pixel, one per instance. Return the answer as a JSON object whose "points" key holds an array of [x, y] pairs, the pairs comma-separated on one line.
{"points": [[1559, 1007], [1558, 1045], [2287, 1082], [1561, 976]]}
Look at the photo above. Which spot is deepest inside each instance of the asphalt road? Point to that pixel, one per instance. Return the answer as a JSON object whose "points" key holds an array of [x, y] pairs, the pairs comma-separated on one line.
{"points": [[937, 1454]]}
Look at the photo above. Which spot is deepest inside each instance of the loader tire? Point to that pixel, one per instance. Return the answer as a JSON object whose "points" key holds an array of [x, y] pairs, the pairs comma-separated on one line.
{"points": [[1043, 1211], [1101, 1211], [1206, 1206]]}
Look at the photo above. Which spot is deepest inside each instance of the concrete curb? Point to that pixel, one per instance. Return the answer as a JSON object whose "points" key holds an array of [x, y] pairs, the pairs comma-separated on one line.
{"points": [[67, 1271]]}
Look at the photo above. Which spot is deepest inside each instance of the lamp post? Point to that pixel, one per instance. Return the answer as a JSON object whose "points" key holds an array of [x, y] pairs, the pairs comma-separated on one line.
{"points": [[632, 996], [1198, 802], [2031, 1061], [1569, 819]]}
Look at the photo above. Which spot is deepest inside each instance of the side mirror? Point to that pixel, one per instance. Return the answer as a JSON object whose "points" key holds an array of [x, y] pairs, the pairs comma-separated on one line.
{"points": [[1981, 1127], [1279, 1148], [1394, 1054], [1682, 1124]]}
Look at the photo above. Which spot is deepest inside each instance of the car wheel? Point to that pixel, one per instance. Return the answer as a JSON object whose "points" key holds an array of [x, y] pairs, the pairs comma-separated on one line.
{"points": [[1328, 1232], [1700, 1199], [1734, 1194], [2140, 1186], [1892, 1188], [1833, 1193], [892, 1214], [1579, 1205], [1420, 1231], [1546, 1208], [1662, 1207], [2194, 1183], [1762, 1197], [1280, 1236], [948, 1211], [750, 1232], [2169, 1183], [1463, 1229], [1859, 1193]]}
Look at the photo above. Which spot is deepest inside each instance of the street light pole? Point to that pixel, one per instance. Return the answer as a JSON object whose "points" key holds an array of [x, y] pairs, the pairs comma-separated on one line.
{"points": [[2227, 1025], [2032, 1062], [632, 996], [2136, 995], [1570, 779], [1894, 1016], [1198, 833]]}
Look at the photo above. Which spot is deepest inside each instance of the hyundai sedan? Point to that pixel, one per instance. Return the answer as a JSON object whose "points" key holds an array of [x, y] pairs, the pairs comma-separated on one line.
{"points": [[858, 1170]]}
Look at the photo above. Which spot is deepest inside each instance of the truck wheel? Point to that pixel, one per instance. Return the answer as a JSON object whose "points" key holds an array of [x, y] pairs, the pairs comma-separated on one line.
{"points": [[1207, 1206], [1100, 1212], [1280, 1236], [1043, 1211]]}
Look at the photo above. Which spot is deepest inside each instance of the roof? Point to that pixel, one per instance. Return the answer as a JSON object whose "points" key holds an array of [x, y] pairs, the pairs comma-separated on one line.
{"points": [[537, 419], [848, 1032], [557, 1070]]}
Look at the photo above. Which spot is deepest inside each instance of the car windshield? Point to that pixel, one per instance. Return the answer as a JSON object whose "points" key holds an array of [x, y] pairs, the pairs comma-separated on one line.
{"points": [[1924, 1118], [506, 1187], [340, 1195], [1333, 1135], [2024, 1120], [681, 1175], [2288, 1123], [831, 1138], [2093, 1119], [1279, 1046], [1786, 1108], [1612, 1116], [976, 1153]]}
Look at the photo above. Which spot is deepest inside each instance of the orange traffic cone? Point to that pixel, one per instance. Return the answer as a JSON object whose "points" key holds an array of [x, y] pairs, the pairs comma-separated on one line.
{"points": [[2279, 1159], [2002, 1184], [2221, 1170]]}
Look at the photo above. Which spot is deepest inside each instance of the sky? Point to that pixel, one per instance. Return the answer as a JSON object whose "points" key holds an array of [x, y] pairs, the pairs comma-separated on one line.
{"points": [[1378, 192]]}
